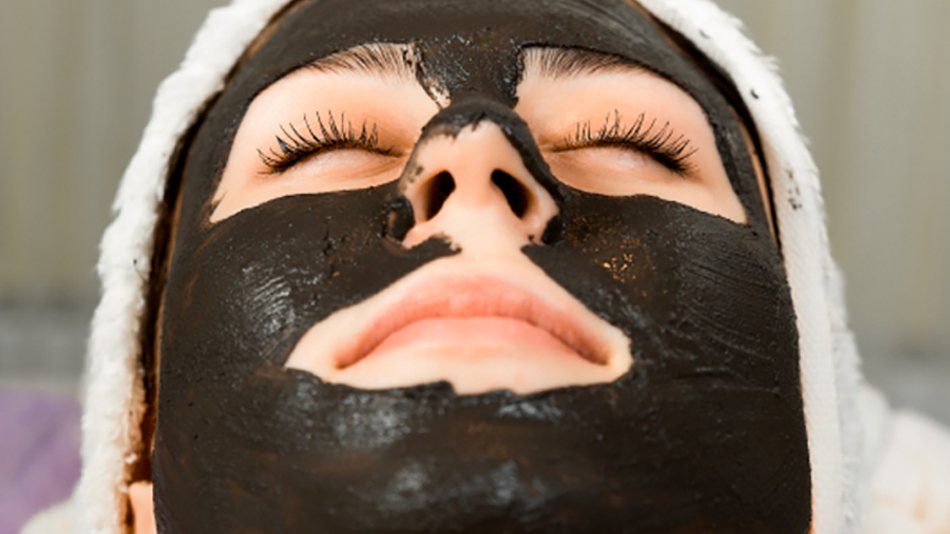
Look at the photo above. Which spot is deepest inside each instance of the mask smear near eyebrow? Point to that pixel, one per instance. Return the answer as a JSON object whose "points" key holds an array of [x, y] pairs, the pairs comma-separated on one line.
{"points": [[706, 433]]}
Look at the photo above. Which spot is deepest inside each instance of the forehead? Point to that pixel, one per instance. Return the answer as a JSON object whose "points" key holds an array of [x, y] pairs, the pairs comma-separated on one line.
{"points": [[464, 47]]}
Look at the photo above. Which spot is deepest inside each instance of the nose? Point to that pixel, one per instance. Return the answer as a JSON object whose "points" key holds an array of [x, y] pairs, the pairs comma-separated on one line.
{"points": [[471, 187]]}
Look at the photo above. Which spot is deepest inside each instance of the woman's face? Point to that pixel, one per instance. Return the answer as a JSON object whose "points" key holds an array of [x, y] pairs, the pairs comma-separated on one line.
{"points": [[457, 265], [602, 126]]}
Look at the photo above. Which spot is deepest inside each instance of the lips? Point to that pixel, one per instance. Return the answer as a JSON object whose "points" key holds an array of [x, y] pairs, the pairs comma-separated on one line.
{"points": [[478, 326], [471, 297]]}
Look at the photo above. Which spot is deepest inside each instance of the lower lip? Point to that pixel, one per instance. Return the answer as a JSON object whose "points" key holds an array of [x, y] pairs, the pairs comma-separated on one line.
{"points": [[462, 335], [475, 355]]}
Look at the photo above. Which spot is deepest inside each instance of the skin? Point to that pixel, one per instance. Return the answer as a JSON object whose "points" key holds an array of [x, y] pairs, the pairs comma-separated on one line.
{"points": [[486, 311], [551, 105], [476, 217]]}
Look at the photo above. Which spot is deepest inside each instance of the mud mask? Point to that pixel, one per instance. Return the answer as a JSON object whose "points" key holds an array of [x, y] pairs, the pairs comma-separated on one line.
{"points": [[705, 433]]}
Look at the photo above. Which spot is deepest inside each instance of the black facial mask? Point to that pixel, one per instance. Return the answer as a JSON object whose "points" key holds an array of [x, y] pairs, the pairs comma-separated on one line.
{"points": [[705, 433]]}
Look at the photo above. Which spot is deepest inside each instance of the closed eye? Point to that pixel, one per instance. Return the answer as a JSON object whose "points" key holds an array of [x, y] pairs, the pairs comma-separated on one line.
{"points": [[324, 133], [649, 137]]}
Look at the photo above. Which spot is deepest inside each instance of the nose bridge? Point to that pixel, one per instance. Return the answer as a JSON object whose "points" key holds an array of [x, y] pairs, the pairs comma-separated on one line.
{"points": [[473, 111], [469, 172]]}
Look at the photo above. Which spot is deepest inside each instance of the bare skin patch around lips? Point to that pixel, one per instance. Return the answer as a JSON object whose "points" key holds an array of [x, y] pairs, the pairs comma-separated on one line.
{"points": [[459, 287]]}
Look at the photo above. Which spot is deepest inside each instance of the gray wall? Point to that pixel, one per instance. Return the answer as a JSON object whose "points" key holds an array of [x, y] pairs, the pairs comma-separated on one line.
{"points": [[75, 92], [870, 79]]}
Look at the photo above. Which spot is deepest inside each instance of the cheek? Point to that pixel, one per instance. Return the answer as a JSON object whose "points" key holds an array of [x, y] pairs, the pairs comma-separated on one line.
{"points": [[684, 285], [245, 291]]}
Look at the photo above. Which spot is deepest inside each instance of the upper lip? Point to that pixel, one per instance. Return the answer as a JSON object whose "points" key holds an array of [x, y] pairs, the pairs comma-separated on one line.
{"points": [[445, 289]]}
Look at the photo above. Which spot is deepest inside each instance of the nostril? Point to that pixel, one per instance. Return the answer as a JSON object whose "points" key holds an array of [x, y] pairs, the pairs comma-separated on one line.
{"points": [[514, 191], [437, 192]]}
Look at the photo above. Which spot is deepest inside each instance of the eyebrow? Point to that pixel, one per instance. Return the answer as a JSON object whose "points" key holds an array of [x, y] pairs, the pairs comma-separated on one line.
{"points": [[398, 60], [553, 62], [376, 59]]}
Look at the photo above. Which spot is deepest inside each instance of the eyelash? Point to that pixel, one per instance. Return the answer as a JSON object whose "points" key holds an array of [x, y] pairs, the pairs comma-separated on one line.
{"points": [[662, 144], [295, 145]]}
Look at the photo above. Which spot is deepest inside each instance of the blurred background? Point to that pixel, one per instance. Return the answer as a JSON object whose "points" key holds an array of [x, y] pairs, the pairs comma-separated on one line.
{"points": [[870, 79]]}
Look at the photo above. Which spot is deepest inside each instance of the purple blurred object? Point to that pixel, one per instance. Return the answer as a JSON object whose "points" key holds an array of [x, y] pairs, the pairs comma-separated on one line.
{"points": [[39, 453]]}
